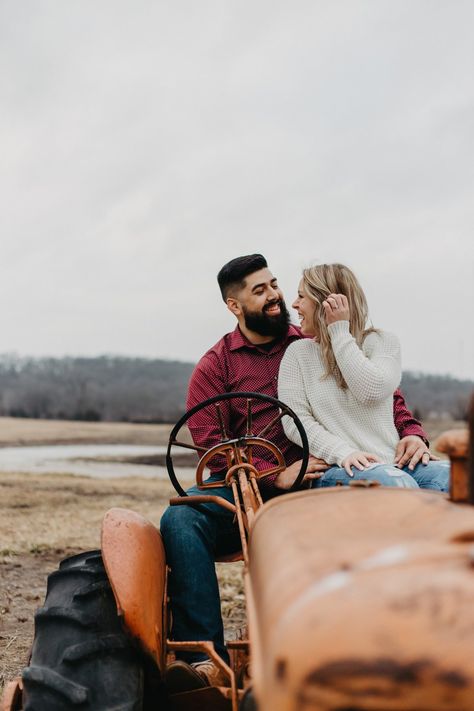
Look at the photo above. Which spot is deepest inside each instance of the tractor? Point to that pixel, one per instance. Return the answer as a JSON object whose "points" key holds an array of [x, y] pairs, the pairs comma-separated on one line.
{"points": [[359, 598]]}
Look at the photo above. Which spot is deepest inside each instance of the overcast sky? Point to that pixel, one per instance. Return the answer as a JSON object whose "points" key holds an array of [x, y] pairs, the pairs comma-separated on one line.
{"points": [[146, 143]]}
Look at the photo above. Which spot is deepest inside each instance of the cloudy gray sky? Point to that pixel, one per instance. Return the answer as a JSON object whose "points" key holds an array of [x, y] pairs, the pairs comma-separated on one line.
{"points": [[145, 143]]}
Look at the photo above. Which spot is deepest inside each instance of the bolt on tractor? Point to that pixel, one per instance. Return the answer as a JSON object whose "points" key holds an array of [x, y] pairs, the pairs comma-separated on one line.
{"points": [[358, 597]]}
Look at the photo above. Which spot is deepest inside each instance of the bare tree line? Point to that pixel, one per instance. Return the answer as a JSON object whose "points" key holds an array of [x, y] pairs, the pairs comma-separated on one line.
{"points": [[437, 396], [111, 388], [104, 388]]}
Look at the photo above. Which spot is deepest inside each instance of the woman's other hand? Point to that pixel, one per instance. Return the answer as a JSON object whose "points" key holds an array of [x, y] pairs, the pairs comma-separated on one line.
{"points": [[315, 469], [336, 308], [359, 460]]}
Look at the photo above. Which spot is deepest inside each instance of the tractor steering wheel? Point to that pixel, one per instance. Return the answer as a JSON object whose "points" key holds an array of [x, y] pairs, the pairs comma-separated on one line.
{"points": [[238, 451]]}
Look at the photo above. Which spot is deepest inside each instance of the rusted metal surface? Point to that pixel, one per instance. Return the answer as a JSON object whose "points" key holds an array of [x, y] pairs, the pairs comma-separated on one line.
{"points": [[249, 501], [455, 443], [202, 499], [240, 522], [239, 452], [12, 696], [362, 599], [134, 558], [256, 490], [235, 468]]}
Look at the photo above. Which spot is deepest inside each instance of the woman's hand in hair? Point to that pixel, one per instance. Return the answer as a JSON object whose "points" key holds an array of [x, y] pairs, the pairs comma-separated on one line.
{"points": [[359, 460], [336, 308]]}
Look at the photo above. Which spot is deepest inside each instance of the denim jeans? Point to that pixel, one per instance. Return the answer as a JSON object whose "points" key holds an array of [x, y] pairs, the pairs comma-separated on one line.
{"points": [[434, 475], [193, 537]]}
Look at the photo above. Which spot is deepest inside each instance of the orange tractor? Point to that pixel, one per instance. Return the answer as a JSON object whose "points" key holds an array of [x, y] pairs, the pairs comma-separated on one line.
{"points": [[358, 598]]}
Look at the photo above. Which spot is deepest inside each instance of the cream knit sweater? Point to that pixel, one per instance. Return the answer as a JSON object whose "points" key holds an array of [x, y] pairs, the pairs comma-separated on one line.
{"points": [[339, 421]]}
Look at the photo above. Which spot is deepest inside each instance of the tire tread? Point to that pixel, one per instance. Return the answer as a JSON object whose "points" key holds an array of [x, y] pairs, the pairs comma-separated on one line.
{"points": [[82, 656]]}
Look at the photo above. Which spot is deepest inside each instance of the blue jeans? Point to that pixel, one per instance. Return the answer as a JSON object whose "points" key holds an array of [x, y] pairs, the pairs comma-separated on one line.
{"points": [[434, 475], [193, 538]]}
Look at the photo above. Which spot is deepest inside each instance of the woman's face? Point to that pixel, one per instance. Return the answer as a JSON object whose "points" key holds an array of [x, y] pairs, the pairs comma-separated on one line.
{"points": [[306, 310]]}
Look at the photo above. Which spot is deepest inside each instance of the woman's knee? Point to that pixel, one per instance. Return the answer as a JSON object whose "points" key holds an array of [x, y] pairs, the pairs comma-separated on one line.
{"points": [[392, 476]]}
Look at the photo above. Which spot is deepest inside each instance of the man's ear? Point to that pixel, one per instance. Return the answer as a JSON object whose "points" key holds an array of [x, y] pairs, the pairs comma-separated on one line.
{"points": [[234, 306]]}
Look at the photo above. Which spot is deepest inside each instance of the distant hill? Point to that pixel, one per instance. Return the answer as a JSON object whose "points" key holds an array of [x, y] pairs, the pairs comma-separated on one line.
{"points": [[111, 388]]}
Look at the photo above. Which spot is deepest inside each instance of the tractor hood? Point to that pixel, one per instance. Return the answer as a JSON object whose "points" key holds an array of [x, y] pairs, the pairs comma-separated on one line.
{"points": [[362, 599]]}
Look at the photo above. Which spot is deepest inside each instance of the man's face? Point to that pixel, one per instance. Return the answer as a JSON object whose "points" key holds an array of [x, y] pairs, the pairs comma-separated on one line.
{"points": [[262, 306]]}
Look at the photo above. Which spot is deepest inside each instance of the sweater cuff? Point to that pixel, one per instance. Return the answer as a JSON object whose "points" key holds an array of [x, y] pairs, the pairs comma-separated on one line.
{"points": [[338, 329]]}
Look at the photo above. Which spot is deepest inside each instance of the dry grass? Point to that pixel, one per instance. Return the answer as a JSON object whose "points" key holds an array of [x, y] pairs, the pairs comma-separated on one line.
{"points": [[18, 431]]}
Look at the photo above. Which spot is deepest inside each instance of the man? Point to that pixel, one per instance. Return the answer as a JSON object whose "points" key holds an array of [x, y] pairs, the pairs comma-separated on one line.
{"points": [[247, 359]]}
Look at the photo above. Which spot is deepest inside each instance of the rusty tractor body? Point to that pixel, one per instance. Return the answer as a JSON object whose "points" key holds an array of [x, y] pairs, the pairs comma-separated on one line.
{"points": [[358, 598]]}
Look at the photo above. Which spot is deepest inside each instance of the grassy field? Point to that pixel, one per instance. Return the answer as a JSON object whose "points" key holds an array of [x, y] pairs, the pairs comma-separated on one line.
{"points": [[44, 518]]}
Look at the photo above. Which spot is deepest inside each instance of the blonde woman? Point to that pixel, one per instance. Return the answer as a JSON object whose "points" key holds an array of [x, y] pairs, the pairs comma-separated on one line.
{"points": [[340, 382]]}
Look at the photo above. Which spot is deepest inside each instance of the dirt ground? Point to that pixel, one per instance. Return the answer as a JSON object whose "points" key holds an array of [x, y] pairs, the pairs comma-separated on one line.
{"points": [[44, 518]]}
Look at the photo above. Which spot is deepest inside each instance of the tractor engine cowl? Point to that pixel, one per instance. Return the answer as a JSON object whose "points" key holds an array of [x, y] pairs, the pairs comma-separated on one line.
{"points": [[362, 599]]}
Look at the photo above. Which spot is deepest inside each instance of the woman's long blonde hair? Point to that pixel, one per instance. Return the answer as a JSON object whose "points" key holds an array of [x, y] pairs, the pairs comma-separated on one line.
{"points": [[318, 282]]}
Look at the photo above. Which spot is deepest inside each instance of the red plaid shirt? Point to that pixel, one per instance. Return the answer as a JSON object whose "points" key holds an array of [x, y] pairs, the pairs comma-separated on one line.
{"points": [[235, 364]]}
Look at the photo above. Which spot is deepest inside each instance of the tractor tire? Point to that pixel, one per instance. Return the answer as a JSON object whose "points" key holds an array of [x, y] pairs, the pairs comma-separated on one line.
{"points": [[81, 657]]}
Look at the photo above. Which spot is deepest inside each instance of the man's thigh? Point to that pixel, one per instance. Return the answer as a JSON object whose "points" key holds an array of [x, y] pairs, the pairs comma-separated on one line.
{"points": [[434, 475], [189, 528]]}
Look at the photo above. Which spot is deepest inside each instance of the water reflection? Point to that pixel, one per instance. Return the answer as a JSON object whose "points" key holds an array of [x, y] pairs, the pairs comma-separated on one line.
{"points": [[88, 460]]}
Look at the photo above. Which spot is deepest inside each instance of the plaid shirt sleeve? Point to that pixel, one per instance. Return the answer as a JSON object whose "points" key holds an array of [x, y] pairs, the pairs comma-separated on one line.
{"points": [[206, 382], [404, 421]]}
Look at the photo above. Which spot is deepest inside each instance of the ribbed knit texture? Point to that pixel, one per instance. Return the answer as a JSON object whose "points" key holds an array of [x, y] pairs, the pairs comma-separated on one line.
{"points": [[339, 421]]}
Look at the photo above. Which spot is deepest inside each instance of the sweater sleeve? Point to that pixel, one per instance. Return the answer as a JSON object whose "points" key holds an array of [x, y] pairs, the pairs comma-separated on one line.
{"points": [[291, 390], [370, 377]]}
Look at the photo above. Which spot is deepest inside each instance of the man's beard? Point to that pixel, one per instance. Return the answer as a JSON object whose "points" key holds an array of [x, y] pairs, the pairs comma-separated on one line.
{"points": [[263, 324]]}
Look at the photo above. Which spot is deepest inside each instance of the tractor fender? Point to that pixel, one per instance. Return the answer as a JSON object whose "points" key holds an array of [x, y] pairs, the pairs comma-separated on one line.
{"points": [[134, 558], [11, 700]]}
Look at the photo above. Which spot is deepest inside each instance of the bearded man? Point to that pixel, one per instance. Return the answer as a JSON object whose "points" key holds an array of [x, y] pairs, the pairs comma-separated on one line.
{"points": [[247, 359]]}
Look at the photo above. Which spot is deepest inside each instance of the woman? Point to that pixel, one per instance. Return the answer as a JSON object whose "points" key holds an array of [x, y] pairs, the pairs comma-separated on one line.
{"points": [[340, 383]]}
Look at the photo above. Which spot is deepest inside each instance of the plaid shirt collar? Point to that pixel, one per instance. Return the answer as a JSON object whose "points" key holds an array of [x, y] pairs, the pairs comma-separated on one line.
{"points": [[238, 341]]}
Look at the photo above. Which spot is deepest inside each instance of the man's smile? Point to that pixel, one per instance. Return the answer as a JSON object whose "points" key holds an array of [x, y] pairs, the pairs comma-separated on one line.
{"points": [[273, 309]]}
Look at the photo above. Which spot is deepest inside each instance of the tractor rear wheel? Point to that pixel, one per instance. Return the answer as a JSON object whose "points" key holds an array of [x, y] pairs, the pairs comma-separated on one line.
{"points": [[81, 657]]}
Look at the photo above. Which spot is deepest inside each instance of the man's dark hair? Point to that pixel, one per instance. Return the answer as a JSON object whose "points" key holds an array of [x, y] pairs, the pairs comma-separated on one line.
{"points": [[234, 272]]}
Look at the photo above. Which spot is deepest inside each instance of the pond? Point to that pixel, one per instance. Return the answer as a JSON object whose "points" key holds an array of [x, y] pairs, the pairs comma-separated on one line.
{"points": [[94, 460]]}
